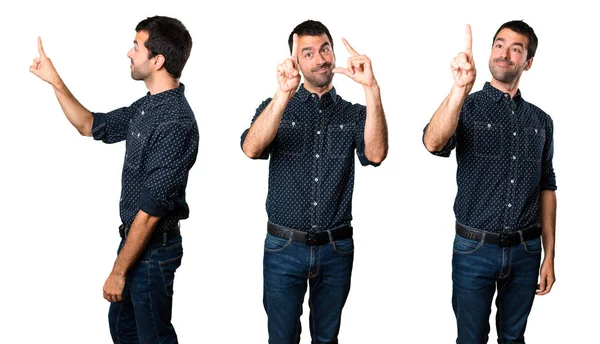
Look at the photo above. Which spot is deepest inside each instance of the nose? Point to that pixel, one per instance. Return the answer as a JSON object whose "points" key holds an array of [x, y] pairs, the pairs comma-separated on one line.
{"points": [[504, 53], [129, 52], [320, 59]]}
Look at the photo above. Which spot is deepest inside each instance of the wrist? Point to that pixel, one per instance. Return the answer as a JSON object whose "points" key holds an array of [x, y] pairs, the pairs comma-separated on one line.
{"points": [[373, 87]]}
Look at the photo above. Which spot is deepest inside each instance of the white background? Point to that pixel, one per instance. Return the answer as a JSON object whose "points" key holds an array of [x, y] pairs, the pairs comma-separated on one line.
{"points": [[60, 191]]}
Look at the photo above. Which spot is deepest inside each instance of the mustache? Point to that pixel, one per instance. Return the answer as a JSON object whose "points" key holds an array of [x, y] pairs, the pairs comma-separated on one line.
{"points": [[499, 59], [324, 65]]}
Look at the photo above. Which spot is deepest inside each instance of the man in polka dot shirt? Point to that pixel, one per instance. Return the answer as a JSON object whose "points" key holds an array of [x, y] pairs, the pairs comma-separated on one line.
{"points": [[506, 188], [161, 137], [311, 135]]}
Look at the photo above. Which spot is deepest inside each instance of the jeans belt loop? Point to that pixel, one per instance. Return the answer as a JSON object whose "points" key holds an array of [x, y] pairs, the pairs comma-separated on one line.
{"points": [[291, 235], [521, 236], [482, 242], [330, 236], [165, 238]]}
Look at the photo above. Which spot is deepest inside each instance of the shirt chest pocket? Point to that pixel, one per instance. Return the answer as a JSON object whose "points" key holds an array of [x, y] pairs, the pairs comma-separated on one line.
{"points": [[533, 143], [134, 147], [489, 139], [340, 140], [291, 138]]}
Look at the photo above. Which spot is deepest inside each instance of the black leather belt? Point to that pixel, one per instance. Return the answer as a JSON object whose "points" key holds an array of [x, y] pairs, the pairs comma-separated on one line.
{"points": [[157, 237], [310, 238], [500, 239]]}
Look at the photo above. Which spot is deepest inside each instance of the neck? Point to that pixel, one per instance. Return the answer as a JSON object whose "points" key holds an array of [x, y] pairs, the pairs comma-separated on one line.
{"points": [[160, 83], [318, 90], [507, 87]]}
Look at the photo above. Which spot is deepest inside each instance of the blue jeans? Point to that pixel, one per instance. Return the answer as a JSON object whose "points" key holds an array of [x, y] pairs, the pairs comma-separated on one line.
{"points": [[287, 267], [477, 270], [144, 315]]}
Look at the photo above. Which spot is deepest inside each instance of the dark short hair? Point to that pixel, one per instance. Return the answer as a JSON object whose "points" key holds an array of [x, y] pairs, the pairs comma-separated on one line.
{"points": [[522, 28], [167, 37], [309, 28]]}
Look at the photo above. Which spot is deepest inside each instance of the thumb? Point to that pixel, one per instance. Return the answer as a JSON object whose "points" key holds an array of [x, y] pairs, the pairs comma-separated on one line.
{"points": [[342, 71]]}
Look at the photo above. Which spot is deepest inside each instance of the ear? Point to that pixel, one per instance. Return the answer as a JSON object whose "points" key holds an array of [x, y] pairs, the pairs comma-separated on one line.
{"points": [[528, 63], [159, 61]]}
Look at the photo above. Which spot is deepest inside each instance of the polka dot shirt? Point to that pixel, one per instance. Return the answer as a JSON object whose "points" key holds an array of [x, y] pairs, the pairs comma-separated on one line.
{"points": [[311, 172], [161, 138], [504, 150]]}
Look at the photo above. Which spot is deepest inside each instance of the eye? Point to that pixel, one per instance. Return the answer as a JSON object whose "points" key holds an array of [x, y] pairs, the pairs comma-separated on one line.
{"points": [[308, 55], [325, 50], [517, 50], [498, 45]]}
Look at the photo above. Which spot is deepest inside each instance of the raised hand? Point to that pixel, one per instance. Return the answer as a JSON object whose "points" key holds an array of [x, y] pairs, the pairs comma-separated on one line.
{"points": [[463, 65], [43, 67], [359, 67], [288, 73]]}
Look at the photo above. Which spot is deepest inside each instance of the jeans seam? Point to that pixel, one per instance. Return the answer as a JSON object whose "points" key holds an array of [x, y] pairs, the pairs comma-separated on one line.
{"points": [[118, 321], [150, 296]]}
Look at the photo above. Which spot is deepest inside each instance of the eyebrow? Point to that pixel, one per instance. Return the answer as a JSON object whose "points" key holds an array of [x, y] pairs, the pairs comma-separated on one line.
{"points": [[321, 47], [515, 43]]}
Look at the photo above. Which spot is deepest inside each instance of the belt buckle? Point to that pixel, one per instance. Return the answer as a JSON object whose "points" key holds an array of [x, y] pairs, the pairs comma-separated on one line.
{"points": [[505, 240], [311, 239]]}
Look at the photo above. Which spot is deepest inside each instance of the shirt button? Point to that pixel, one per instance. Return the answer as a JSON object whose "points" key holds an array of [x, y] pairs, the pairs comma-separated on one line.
{"points": [[315, 203], [318, 132], [512, 181], [508, 205], [515, 133], [316, 179], [312, 95], [320, 111], [505, 95], [142, 112], [514, 157], [317, 156], [513, 112]]}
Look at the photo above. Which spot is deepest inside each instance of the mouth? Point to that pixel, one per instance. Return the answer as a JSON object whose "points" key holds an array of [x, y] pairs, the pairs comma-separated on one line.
{"points": [[322, 69], [503, 63]]}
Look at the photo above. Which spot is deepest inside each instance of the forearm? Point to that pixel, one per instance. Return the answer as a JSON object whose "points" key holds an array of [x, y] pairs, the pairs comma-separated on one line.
{"points": [[137, 238], [376, 132], [79, 116], [264, 129], [445, 119], [547, 207]]}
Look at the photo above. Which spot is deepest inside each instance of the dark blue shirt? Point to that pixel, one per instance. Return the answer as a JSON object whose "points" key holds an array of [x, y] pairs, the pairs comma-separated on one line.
{"points": [[504, 150], [311, 172], [161, 138]]}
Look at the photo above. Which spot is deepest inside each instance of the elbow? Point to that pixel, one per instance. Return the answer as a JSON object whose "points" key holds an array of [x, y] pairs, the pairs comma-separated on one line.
{"points": [[378, 157], [433, 145], [251, 153], [84, 131]]}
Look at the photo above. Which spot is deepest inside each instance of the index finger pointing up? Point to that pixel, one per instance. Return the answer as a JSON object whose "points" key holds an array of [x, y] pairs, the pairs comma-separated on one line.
{"points": [[40, 47], [468, 40], [295, 47], [349, 47]]}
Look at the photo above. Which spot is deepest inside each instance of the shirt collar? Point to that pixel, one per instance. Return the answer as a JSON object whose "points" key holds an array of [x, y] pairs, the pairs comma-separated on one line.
{"points": [[155, 100], [495, 94], [303, 94]]}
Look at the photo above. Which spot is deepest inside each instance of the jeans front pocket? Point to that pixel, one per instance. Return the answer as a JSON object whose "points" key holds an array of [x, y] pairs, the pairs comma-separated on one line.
{"points": [[275, 244], [343, 246], [464, 245], [488, 139], [533, 246], [291, 138]]}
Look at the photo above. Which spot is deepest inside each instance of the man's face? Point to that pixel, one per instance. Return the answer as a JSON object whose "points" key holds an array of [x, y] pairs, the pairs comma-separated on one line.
{"points": [[509, 56], [316, 59], [140, 63]]}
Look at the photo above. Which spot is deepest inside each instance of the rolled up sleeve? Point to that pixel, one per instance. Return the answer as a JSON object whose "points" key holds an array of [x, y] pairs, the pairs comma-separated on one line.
{"points": [[548, 180], [359, 136], [112, 127], [172, 153]]}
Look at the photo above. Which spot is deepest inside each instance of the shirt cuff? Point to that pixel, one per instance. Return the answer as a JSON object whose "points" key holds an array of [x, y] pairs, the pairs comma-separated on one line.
{"points": [[151, 206], [99, 125]]}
